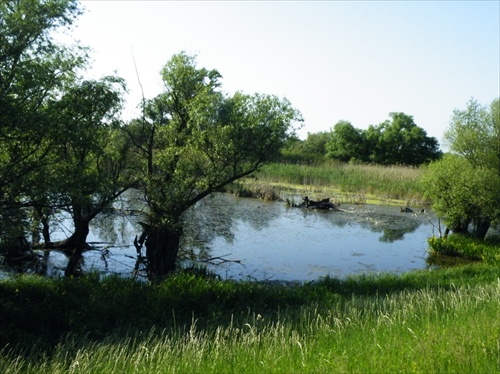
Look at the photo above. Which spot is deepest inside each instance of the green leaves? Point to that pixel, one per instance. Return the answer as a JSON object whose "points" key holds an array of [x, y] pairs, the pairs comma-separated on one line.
{"points": [[347, 143], [396, 141], [475, 134], [196, 139], [465, 186]]}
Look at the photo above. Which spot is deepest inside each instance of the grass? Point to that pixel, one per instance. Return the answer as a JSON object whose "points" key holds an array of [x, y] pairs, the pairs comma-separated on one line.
{"points": [[346, 183], [487, 250], [420, 322]]}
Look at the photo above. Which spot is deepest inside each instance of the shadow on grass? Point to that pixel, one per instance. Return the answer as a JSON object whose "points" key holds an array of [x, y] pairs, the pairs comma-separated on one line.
{"points": [[38, 313]]}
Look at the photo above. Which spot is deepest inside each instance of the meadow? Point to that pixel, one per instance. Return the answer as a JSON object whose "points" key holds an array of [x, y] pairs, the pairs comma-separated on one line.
{"points": [[421, 322]]}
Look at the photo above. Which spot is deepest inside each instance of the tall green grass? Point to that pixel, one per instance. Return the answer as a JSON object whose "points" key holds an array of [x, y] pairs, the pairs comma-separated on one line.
{"points": [[419, 322], [460, 245], [388, 182]]}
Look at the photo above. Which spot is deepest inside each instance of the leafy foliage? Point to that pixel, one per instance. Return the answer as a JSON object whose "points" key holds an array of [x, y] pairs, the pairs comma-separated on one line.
{"points": [[401, 141], [474, 133], [398, 141], [464, 186], [60, 143], [312, 150], [34, 70], [347, 143]]}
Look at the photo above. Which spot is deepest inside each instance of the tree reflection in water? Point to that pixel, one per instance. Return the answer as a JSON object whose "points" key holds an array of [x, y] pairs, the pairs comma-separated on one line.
{"points": [[265, 236]]}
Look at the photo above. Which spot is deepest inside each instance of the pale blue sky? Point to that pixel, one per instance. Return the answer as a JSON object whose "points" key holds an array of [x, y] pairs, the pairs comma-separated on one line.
{"points": [[355, 61]]}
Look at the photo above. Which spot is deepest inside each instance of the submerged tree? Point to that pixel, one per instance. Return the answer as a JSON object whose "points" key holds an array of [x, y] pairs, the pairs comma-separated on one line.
{"points": [[194, 140], [465, 186], [92, 164]]}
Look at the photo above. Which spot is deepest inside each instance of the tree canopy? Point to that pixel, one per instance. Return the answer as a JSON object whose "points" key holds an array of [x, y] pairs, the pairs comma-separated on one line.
{"points": [[395, 141], [193, 139], [465, 186], [34, 71], [61, 146], [346, 143]]}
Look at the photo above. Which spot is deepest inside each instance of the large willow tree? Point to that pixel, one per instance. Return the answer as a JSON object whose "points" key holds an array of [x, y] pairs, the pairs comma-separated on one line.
{"points": [[192, 140]]}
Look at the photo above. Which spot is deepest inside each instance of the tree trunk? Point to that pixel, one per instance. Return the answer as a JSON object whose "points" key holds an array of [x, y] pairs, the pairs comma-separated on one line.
{"points": [[481, 227], [77, 244], [162, 247], [461, 227], [40, 218]]}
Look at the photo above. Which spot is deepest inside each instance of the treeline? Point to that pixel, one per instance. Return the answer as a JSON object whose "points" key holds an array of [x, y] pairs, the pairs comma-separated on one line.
{"points": [[397, 141]]}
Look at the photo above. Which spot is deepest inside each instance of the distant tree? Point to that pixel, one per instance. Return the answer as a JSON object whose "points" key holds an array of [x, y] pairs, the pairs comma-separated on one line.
{"points": [[401, 141], [194, 140], [309, 151], [346, 143], [292, 151], [315, 143], [464, 187]]}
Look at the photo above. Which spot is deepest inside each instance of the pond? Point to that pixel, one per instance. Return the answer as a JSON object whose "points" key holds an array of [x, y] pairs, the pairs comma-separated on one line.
{"points": [[242, 238]]}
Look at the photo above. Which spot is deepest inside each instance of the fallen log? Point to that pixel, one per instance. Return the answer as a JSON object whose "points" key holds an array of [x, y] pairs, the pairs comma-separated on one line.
{"points": [[324, 204]]}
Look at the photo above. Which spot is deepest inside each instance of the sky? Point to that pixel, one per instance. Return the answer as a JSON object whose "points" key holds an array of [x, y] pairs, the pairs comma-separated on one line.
{"points": [[333, 60]]}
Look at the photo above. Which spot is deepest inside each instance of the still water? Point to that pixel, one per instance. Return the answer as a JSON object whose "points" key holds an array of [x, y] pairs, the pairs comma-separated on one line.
{"points": [[261, 240]]}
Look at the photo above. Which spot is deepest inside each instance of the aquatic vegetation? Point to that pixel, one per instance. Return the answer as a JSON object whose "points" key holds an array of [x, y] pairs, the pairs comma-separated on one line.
{"points": [[463, 246]]}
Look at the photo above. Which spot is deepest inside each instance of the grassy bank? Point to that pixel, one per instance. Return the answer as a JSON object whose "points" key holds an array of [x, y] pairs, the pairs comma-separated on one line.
{"points": [[457, 245], [346, 183], [424, 321]]}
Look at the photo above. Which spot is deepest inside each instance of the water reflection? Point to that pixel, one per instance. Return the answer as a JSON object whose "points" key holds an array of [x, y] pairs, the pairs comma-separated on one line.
{"points": [[276, 242], [270, 240]]}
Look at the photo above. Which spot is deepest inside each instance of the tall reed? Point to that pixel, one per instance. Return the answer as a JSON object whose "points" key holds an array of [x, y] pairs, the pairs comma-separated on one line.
{"points": [[390, 182]]}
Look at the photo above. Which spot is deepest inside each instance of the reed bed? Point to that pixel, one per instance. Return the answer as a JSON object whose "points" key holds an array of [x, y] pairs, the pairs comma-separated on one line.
{"points": [[387, 183], [439, 321]]}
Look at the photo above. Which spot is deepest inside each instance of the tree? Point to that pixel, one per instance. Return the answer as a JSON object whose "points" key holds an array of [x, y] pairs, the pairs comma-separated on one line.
{"points": [[92, 156], [193, 140], [464, 186], [33, 70], [401, 141], [315, 143], [310, 150], [474, 133], [347, 143], [395, 141]]}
